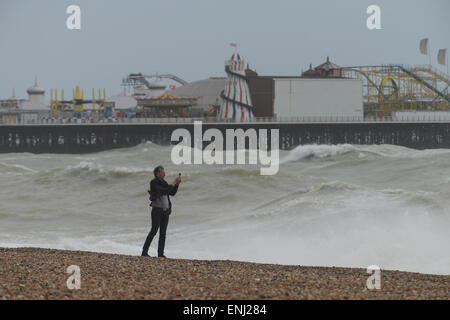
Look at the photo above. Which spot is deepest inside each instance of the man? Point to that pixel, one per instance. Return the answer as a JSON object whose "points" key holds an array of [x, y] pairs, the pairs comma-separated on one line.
{"points": [[160, 191]]}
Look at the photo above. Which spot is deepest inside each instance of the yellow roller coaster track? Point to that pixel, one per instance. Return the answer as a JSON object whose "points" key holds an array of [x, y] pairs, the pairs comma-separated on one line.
{"points": [[381, 96], [399, 87], [432, 72]]}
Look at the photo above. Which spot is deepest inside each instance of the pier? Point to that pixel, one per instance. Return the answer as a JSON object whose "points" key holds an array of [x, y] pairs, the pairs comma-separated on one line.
{"points": [[93, 137]]}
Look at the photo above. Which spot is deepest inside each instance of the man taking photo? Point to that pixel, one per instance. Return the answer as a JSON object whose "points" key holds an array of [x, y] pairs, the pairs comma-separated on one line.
{"points": [[159, 192]]}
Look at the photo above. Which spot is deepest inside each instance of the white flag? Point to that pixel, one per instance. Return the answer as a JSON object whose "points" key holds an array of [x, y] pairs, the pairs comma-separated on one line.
{"points": [[441, 56], [424, 46]]}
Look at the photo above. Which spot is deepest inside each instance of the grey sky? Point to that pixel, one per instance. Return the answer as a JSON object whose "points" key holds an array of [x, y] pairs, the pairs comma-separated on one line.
{"points": [[190, 38]]}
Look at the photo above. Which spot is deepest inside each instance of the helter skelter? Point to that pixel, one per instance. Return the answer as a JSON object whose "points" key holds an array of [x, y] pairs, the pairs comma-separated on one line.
{"points": [[236, 100]]}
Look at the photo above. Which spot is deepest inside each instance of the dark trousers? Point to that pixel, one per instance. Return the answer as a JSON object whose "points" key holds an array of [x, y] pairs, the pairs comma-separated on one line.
{"points": [[160, 220]]}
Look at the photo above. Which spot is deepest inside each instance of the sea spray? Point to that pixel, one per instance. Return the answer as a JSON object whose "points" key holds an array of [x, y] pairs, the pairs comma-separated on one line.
{"points": [[342, 205]]}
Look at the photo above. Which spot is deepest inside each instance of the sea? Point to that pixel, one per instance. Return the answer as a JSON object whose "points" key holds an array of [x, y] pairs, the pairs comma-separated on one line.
{"points": [[328, 205]]}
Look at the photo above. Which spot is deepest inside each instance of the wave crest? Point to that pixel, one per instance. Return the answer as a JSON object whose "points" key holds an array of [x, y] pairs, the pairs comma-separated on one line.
{"points": [[92, 167], [361, 151], [317, 151]]}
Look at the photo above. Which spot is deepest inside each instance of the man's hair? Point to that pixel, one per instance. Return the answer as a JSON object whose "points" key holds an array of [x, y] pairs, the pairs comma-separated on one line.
{"points": [[157, 170]]}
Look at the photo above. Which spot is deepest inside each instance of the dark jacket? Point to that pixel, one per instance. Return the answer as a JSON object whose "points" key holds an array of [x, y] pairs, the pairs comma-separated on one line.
{"points": [[159, 187]]}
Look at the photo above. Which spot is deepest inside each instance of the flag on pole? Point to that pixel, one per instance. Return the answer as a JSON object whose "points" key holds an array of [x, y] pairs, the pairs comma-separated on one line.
{"points": [[233, 44], [424, 46], [441, 56]]}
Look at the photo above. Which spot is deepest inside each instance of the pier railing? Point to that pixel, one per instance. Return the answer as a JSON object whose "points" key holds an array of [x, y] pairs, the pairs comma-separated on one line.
{"points": [[436, 117]]}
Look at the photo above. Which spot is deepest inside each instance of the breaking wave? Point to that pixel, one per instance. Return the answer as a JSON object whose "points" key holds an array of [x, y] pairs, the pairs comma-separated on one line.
{"points": [[359, 151], [338, 205], [96, 168]]}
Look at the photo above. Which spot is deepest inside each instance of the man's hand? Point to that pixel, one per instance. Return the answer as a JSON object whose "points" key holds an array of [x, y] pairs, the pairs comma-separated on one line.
{"points": [[177, 180]]}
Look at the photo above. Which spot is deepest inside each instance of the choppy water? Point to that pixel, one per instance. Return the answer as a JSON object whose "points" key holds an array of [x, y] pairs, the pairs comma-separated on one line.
{"points": [[341, 205]]}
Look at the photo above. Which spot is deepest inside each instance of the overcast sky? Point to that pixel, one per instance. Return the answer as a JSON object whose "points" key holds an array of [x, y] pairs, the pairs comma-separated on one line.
{"points": [[191, 38]]}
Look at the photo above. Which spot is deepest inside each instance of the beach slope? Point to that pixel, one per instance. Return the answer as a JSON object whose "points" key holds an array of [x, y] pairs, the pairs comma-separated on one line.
{"points": [[35, 273]]}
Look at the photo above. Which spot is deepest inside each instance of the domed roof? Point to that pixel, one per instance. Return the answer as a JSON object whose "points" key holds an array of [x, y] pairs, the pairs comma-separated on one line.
{"points": [[207, 91], [157, 85], [35, 89], [123, 101]]}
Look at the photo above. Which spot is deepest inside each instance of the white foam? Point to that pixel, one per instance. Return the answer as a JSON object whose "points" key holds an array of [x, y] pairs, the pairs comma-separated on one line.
{"points": [[385, 150], [18, 166], [97, 167], [318, 151]]}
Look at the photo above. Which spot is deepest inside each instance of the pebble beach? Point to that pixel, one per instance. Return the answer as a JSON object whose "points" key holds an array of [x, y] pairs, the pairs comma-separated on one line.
{"points": [[35, 273]]}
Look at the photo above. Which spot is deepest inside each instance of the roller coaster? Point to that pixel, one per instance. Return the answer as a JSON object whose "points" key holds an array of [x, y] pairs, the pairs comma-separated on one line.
{"points": [[396, 87], [134, 79]]}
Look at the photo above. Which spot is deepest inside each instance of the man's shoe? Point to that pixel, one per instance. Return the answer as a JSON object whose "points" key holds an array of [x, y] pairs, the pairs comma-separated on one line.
{"points": [[162, 256], [145, 255]]}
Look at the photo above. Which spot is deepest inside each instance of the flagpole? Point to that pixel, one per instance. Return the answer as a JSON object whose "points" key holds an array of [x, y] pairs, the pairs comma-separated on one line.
{"points": [[429, 53], [234, 45]]}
